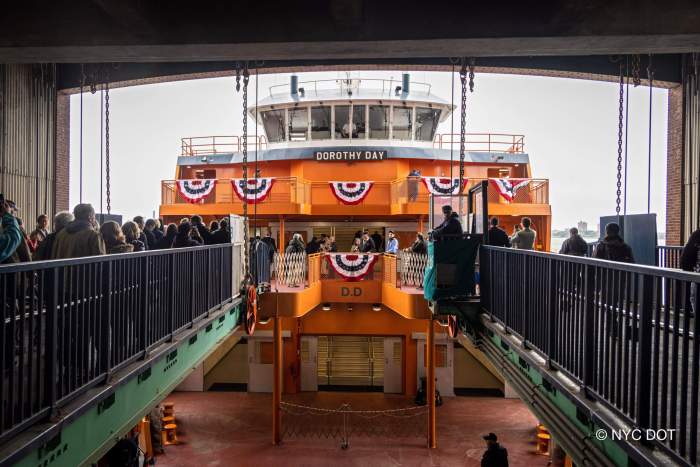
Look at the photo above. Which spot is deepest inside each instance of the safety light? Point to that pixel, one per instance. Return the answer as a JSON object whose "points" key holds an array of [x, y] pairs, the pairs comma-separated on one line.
{"points": [[376, 307], [326, 307]]}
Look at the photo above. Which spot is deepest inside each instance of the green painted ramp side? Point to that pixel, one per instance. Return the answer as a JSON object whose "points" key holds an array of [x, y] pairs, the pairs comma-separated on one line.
{"points": [[94, 432]]}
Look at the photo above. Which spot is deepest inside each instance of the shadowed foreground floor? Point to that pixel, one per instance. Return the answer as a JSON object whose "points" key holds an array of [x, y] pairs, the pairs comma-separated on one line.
{"points": [[234, 429]]}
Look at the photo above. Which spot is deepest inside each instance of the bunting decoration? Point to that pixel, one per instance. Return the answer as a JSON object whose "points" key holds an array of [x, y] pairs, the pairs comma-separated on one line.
{"points": [[441, 186], [350, 192], [195, 191], [257, 190], [351, 266], [508, 187]]}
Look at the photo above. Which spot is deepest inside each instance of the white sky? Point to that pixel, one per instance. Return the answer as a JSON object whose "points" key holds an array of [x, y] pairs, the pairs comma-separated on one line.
{"points": [[570, 129]]}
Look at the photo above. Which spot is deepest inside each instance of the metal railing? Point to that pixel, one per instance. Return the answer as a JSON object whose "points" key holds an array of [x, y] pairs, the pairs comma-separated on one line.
{"points": [[668, 256], [624, 332], [411, 268], [482, 142], [67, 325], [291, 269], [219, 144], [312, 87], [412, 190]]}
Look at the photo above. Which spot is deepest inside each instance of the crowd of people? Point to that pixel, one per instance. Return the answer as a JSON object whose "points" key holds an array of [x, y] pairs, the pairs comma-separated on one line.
{"points": [[78, 234]]}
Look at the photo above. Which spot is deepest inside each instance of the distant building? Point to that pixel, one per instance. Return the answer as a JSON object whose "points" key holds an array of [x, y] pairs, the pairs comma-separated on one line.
{"points": [[582, 226]]}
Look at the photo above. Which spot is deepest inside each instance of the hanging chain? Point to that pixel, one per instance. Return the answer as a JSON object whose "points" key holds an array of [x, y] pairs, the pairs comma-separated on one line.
{"points": [[244, 138], [463, 126], [107, 177], [636, 65], [472, 64], [619, 142]]}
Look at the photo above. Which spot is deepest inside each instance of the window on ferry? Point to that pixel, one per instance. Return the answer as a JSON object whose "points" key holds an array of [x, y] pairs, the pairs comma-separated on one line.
{"points": [[426, 123], [403, 123], [273, 122], [298, 124], [321, 122], [379, 121], [342, 121], [359, 121]]}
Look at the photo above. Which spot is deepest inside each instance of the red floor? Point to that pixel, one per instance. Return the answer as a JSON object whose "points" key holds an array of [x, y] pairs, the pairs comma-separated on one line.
{"points": [[233, 429]]}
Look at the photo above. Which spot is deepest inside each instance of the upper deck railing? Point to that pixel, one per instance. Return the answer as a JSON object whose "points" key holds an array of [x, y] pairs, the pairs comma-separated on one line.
{"points": [[312, 87], [67, 325], [476, 142]]}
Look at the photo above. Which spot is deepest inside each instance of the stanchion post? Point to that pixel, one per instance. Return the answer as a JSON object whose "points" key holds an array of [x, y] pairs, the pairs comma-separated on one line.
{"points": [[277, 382], [430, 358]]}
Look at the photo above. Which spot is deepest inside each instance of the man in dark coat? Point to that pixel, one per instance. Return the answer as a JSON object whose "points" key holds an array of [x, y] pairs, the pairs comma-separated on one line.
{"points": [[498, 236], [80, 238], [613, 247], [495, 455], [202, 229], [451, 226], [222, 234], [575, 245], [690, 257], [378, 241], [367, 245]]}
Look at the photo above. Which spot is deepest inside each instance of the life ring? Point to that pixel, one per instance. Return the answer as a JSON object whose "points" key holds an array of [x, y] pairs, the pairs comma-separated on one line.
{"points": [[251, 304], [452, 328]]}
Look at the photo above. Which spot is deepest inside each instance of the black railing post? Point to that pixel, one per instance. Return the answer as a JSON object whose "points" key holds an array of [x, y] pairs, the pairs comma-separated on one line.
{"points": [[525, 297], [588, 343], [222, 254], [193, 257], [207, 281], [551, 310], [107, 298], [644, 362], [51, 368], [171, 294], [144, 286]]}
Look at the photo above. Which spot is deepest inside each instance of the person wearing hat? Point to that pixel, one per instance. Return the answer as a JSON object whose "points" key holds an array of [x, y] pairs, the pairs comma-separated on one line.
{"points": [[451, 226], [495, 455]]}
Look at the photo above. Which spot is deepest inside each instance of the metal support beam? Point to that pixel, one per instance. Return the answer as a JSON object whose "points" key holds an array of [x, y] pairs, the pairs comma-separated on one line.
{"points": [[277, 382], [430, 358]]}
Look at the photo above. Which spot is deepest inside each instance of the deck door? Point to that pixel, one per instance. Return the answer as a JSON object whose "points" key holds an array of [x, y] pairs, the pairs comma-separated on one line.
{"points": [[309, 363]]}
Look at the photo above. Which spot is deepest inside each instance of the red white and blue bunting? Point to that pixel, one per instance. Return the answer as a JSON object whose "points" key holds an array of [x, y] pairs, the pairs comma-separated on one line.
{"points": [[195, 191], [508, 187], [257, 190], [441, 186], [352, 266], [350, 192]]}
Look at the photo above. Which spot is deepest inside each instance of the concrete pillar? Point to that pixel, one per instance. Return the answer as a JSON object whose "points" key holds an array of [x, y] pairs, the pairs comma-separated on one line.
{"points": [[277, 382], [430, 377]]}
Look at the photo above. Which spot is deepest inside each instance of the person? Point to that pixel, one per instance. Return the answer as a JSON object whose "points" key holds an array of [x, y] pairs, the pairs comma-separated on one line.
{"points": [[612, 247], [334, 246], [575, 245], [168, 239], [690, 256], [223, 233], [142, 235], [158, 230], [183, 238], [378, 241], [10, 237], [367, 245], [524, 239], [418, 246], [413, 180], [498, 236], [213, 226], [450, 226], [205, 236], [272, 245], [115, 242], [495, 455], [60, 221], [296, 244], [149, 231], [132, 236], [356, 245], [39, 234], [80, 237], [313, 246], [392, 246]]}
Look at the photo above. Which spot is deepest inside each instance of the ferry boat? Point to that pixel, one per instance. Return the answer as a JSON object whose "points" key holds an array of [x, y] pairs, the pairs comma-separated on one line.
{"points": [[337, 157]]}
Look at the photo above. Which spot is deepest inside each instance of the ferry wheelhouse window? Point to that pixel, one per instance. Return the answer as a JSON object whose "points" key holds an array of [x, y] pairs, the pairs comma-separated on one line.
{"points": [[426, 123], [321, 122], [403, 122], [359, 121], [342, 122], [298, 124], [273, 121], [379, 121]]}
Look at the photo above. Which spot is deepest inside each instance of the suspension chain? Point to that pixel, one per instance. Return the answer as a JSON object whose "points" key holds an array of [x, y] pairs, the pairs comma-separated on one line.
{"points": [[636, 64], [619, 142], [108, 193], [463, 123], [244, 138]]}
